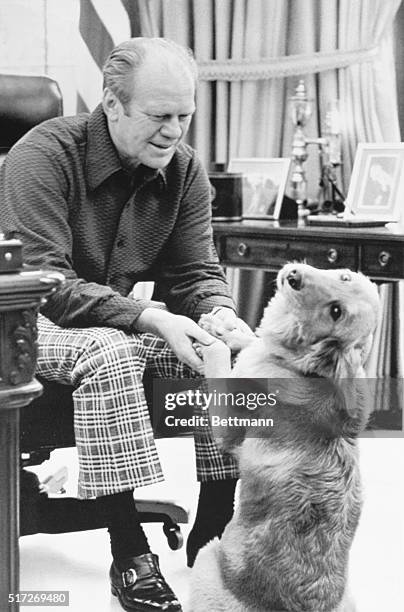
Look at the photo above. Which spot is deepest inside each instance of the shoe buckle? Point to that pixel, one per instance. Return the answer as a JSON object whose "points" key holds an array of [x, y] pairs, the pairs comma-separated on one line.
{"points": [[129, 577]]}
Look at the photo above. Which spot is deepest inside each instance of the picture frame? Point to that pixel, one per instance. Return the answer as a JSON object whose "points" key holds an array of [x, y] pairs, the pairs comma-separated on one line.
{"points": [[376, 188], [263, 185]]}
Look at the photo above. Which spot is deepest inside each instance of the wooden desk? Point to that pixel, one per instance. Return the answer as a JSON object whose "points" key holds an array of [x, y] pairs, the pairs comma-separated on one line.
{"points": [[268, 245]]}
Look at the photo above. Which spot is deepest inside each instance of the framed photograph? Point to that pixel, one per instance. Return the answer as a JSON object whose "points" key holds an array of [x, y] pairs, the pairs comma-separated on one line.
{"points": [[264, 182], [376, 189]]}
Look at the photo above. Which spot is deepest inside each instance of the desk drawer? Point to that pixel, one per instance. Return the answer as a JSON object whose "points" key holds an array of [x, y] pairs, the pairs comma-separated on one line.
{"points": [[273, 254], [384, 262]]}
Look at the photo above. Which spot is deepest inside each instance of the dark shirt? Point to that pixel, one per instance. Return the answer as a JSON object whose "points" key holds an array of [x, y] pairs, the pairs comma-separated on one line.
{"points": [[64, 192]]}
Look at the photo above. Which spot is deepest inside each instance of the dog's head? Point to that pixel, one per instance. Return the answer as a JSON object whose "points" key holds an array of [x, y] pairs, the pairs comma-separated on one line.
{"points": [[323, 320]]}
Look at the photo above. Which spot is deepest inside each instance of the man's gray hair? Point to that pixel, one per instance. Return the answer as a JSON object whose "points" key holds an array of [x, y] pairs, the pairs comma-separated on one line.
{"points": [[126, 58]]}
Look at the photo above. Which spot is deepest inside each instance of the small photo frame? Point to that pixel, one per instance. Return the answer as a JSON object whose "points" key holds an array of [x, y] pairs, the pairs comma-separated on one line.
{"points": [[376, 188], [264, 182]]}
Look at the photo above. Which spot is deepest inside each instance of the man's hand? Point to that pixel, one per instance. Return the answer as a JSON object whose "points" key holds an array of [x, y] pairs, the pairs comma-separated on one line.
{"points": [[179, 332], [224, 324]]}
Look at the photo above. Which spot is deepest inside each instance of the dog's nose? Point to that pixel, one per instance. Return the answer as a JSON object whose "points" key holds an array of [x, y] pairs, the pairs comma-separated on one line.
{"points": [[294, 279]]}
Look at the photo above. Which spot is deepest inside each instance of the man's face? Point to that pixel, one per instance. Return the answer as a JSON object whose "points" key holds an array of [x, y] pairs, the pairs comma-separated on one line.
{"points": [[158, 116]]}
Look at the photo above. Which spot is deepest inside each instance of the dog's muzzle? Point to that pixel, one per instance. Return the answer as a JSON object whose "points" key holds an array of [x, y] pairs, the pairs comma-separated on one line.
{"points": [[295, 279]]}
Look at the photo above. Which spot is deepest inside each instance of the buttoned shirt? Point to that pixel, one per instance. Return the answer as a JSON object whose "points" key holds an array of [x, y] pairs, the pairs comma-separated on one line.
{"points": [[65, 193]]}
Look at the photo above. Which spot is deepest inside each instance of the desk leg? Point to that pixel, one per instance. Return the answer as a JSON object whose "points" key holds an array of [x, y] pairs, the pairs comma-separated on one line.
{"points": [[9, 508]]}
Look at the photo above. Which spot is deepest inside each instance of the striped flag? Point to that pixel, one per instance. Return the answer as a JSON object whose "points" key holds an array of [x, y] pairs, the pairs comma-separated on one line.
{"points": [[103, 24]]}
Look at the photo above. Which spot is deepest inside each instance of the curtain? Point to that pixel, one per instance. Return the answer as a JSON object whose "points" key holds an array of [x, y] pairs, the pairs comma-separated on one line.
{"points": [[244, 116]]}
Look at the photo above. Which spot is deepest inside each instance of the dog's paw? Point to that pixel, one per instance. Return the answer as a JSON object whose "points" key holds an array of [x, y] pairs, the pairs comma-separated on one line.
{"points": [[210, 323], [236, 339]]}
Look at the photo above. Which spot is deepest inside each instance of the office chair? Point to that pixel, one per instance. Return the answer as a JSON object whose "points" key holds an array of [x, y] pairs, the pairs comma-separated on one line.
{"points": [[47, 423]]}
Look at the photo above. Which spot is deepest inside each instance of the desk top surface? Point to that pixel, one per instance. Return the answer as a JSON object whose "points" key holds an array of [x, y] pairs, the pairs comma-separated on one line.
{"points": [[292, 229]]}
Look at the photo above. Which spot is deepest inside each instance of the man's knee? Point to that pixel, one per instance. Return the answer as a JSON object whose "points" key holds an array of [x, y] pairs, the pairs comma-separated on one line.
{"points": [[109, 349]]}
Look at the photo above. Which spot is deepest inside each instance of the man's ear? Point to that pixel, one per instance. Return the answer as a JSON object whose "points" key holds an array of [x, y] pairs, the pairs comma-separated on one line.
{"points": [[111, 105]]}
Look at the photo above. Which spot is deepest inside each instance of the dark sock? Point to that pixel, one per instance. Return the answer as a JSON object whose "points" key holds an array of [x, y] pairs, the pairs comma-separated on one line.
{"points": [[215, 509], [125, 530]]}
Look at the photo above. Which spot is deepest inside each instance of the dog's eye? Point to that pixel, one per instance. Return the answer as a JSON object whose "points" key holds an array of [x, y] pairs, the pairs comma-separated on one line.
{"points": [[345, 276], [335, 311]]}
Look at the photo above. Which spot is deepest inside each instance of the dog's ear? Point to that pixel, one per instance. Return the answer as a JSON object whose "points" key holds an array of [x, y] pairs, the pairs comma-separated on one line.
{"points": [[329, 357], [344, 364], [321, 358], [366, 348], [349, 362]]}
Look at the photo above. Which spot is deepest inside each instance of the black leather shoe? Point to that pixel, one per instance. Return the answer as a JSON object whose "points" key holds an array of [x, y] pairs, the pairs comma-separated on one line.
{"points": [[141, 587]]}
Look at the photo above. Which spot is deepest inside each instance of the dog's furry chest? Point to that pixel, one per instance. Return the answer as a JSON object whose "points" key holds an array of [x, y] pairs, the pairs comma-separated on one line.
{"points": [[254, 362]]}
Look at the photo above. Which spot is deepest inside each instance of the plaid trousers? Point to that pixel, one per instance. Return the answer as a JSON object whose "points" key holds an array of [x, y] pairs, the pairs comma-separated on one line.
{"points": [[114, 436]]}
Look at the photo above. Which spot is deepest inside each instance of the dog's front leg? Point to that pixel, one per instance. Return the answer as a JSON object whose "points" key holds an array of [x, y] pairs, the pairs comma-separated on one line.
{"points": [[216, 358]]}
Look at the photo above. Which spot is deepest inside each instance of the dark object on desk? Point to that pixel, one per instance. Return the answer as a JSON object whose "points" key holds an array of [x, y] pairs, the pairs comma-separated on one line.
{"points": [[289, 208], [333, 221], [227, 193], [332, 206], [227, 196]]}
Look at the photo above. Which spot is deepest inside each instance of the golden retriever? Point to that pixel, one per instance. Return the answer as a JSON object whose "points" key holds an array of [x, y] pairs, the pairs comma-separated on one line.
{"points": [[287, 545]]}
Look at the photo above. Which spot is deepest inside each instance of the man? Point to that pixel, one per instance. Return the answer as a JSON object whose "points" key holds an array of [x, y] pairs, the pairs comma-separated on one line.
{"points": [[110, 199]]}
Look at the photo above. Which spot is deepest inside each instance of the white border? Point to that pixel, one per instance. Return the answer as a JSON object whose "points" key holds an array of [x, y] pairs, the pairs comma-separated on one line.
{"points": [[262, 165], [354, 204]]}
